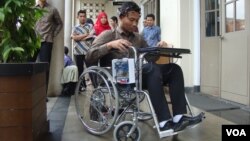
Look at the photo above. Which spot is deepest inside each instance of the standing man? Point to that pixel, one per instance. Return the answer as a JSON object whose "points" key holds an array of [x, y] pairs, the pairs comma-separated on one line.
{"points": [[47, 27], [151, 33], [79, 34]]}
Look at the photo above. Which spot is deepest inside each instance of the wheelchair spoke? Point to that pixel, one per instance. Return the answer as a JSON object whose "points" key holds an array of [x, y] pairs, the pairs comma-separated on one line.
{"points": [[95, 105]]}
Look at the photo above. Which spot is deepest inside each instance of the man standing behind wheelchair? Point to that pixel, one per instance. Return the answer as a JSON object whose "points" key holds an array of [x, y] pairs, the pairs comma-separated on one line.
{"points": [[114, 44]]}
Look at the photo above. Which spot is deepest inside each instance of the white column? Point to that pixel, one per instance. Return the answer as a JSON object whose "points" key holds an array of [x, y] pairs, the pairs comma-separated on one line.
{"points": [[54, 88], [68, 24], [196, 42]]}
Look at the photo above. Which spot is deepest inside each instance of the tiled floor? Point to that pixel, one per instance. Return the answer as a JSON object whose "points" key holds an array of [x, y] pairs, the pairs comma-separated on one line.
{"points": [[208, 130], [74, 131]]}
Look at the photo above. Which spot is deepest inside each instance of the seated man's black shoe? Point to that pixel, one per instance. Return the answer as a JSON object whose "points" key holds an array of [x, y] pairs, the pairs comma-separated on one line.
{"points": [[182, 124], [196, 119], [168, 126], [188, 121]]}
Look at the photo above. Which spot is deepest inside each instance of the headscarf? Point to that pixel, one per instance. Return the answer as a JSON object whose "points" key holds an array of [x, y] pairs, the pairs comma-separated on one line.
{"points": [[99, 27]]}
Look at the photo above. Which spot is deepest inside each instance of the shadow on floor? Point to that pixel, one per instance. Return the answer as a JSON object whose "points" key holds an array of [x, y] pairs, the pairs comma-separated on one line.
{"points": [[57, 118], [221, 108]]}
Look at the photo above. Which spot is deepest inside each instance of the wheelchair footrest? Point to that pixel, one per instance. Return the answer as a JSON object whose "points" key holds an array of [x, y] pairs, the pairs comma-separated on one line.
{"points": [[192, 123], [167, 133]]}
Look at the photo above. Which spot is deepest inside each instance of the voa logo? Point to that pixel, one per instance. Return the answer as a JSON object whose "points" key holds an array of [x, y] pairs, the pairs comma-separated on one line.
{"points": [[236, 132]]}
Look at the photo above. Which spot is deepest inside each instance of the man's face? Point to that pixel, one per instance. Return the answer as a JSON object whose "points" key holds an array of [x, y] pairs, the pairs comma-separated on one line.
{"points": [[150, 21], [130, 21], [112, 23], [82, 18]]}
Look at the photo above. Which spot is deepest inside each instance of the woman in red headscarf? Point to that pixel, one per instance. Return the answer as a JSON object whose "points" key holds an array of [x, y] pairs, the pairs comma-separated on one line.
{"points": [[101, 24]]}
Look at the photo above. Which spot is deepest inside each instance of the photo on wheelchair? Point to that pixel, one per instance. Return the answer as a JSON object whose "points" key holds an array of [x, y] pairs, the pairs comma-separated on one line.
{"points": [[113, 98]]}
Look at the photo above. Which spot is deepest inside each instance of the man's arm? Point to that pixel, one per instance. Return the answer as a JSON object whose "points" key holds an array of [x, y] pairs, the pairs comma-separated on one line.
{"points": [[103, 44], [99, 47], [79, 37], [57, 21]]}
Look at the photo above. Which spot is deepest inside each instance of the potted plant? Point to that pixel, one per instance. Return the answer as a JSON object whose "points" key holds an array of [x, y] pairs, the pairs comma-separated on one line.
{"points": [[23, 114], [19, 42]]}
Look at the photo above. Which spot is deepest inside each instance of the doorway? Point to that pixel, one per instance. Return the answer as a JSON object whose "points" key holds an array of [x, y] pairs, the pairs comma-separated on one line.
{"points": [[224, 49]]}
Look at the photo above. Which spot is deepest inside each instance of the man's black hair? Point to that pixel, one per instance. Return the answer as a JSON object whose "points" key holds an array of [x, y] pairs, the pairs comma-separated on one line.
{"points": [[128, 6], [151, 15], [81, 11], [66, 50], [114, 18]]}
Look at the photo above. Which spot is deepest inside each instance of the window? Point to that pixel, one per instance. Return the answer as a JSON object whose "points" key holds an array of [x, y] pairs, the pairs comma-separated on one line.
{"points": [[212, 17], [235, 15], [92, 8]]}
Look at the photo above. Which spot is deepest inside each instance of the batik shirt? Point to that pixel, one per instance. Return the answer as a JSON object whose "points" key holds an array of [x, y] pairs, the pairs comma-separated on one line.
{"points": [[81, 47]]}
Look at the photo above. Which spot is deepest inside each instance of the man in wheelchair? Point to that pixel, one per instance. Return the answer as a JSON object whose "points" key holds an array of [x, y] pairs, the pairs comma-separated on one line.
{"points": [[114, 44]]}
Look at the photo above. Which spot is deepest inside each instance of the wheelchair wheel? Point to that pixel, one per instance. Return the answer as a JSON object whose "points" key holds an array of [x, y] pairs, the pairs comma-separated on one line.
{"points": [[121, 131], [97, 102]]}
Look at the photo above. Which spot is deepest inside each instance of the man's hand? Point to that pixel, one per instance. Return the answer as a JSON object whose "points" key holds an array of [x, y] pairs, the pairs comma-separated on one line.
{"points": [[162, 44], [119, 44], [81, 37]]}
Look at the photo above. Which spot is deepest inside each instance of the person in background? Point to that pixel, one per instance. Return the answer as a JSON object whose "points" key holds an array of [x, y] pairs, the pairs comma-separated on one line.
{"points": [[79, 35], [48, 27], [115, 44], [69, 76], [113, 22], [91, 36], [101, 24], [67, 59], [151, 33], [90, 21], [145, 22]]}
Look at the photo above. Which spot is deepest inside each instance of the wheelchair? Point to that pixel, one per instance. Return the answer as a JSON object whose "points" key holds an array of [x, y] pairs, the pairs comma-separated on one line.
{"points": [[108, 102]]}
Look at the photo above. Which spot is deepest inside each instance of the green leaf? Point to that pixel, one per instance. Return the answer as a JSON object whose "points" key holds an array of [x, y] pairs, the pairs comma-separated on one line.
{"points": [[6, 53], [2, 14], [7, 3], [7, 10], [1, 17], [18, 44], [17, 2]]}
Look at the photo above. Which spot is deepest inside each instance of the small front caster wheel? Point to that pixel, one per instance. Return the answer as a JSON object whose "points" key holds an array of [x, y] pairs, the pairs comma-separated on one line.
{"points": [[121, 132]]}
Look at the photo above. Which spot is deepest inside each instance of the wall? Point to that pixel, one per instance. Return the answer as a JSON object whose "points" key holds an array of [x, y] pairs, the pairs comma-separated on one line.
{"points": [[177, 29], [109, 8], [187, 40], [54, 88]]}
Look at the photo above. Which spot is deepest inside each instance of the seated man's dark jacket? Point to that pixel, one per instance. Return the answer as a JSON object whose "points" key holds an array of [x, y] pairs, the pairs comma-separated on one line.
{"points": [[99, 48]]}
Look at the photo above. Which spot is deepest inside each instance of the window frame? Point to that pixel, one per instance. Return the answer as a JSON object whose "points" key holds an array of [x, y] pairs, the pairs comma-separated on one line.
{"points": [[217, 18], [234, 2]]}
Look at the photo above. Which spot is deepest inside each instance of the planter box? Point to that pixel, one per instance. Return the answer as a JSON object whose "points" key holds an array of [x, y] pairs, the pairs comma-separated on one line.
{"points": [[23, 112]]}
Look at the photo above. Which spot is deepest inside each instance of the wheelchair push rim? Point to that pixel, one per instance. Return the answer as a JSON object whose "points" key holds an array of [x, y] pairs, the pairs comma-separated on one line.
{"points": [[96, 103]]}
